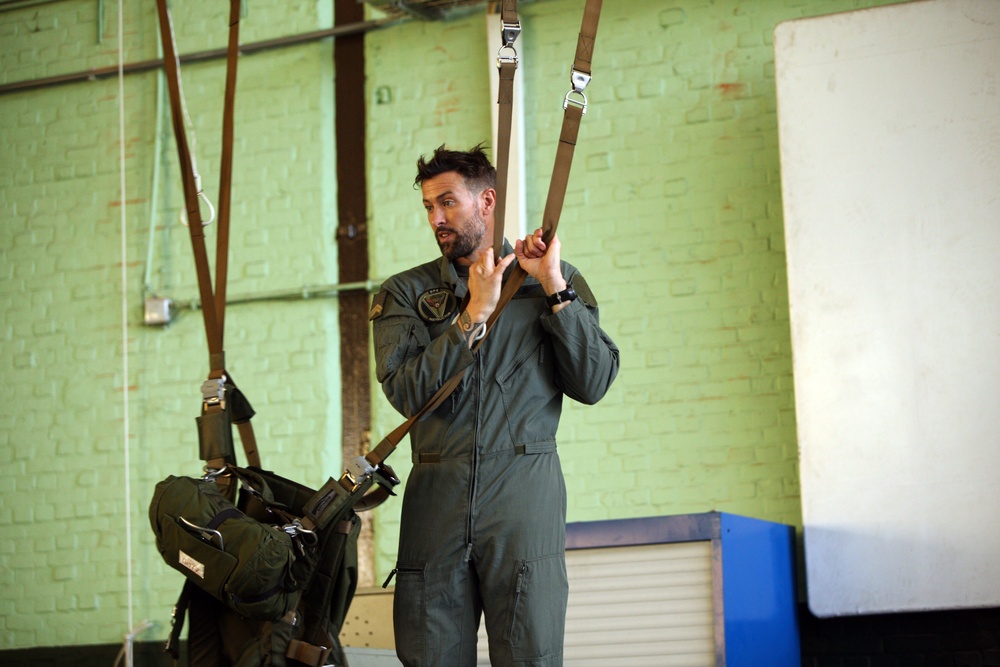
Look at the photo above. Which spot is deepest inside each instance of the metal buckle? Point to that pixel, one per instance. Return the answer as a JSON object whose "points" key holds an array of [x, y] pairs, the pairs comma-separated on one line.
{"points": [[508, 35], [213, 391], [509, 32], [502, 59], [295, 529], [210, 474], [359, 469], [579, 80], [577, 103]]}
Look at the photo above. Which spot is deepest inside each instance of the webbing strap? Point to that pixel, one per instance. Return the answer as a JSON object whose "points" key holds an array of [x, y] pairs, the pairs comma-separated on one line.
{"points": [[510, 28], [226, 168], [308, 654], [213, 303], [173, 644], [573, 113], [171, 67]]}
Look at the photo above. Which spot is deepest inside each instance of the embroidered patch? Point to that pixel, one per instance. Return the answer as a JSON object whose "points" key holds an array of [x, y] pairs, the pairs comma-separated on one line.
{"points": [[436, 305], [378, 304], [191, 564]]}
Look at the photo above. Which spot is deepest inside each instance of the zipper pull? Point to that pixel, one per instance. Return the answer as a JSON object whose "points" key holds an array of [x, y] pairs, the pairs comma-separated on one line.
{"points": [[389, 578]]}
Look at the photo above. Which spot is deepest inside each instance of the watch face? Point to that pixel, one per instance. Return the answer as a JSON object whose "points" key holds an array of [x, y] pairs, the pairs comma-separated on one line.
{"points": [[436, 305]]}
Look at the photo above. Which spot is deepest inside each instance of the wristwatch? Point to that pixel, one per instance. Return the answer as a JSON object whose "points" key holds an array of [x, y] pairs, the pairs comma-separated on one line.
{"points": [[565, 296]]}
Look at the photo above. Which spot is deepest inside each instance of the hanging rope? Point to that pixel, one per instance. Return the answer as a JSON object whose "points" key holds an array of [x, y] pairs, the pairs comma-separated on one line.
{"points": [[125, 369]]}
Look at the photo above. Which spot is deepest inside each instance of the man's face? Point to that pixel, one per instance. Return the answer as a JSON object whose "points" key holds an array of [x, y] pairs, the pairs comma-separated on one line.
{"points": [[460, 218]]}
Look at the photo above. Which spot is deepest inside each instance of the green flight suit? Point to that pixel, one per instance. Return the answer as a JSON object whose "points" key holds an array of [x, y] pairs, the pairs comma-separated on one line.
{"points": [[484, 507]]}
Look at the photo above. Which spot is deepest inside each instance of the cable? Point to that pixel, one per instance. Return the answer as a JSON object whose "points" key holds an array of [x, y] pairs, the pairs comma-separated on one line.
{"points": [[124, 279]]}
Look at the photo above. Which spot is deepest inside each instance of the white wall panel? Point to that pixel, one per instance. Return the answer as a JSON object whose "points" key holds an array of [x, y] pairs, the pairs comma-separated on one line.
{"points": [[889, 123]]}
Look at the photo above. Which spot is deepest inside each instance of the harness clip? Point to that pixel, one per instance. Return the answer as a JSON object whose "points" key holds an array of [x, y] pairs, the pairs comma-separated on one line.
{"points": [[579, 80], [359, 469], [508, 35], [509, 32], [213, 391]]}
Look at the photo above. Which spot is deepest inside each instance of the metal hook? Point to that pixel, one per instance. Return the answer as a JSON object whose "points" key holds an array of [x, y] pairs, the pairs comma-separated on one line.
{"points": [[208, 202], [211, 474], [203, 531]]}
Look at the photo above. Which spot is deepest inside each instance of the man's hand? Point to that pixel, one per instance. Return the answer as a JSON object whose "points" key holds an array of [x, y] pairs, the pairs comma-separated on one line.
{"points": [[485, 283], [541, 261]]}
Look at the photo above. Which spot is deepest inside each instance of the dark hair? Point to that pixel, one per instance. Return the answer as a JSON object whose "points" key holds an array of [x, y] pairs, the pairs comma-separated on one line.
{"points": [[472, 165]]}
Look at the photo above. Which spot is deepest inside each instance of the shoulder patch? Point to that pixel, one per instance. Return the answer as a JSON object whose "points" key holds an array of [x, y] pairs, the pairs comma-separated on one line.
{"points": [[583, 290], [378, 305], [436, 305]]}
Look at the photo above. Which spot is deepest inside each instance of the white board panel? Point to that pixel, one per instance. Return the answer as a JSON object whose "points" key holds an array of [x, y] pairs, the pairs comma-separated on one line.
{"points": [[889, 123]]}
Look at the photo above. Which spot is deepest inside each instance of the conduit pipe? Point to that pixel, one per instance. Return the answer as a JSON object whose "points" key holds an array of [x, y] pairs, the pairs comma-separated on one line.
{"points": [[10, 5], [295, 294], [200, 56]]}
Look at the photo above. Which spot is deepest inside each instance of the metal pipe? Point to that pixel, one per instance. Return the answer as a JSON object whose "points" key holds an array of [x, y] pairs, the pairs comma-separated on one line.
{"points": [[298, 294], [9, 5], [200, 56], [154, 195]]}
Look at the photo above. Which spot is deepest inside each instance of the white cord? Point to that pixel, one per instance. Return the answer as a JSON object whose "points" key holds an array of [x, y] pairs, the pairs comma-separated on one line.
{"points": [[124, 278], [193, 150]]}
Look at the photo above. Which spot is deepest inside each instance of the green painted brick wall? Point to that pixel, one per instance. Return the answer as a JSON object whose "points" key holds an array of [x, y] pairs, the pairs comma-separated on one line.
{"points": [[673, 213]]}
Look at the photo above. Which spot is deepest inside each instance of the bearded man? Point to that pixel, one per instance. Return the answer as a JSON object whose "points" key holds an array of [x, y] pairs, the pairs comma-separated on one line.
{"points": [[483, 529]]}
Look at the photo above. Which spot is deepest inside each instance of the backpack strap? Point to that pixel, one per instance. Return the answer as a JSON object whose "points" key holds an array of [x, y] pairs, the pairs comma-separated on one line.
{"points": [[173, 645], [219, 392], [306, 653]]}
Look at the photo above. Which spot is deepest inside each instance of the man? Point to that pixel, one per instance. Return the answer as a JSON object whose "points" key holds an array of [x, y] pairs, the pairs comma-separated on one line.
{"points": [[484, 510]]}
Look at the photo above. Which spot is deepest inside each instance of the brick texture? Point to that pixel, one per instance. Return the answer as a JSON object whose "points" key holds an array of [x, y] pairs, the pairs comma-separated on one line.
{"points": [[673, 213]]}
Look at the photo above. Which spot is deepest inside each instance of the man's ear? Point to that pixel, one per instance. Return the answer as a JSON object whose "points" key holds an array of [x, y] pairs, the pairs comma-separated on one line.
{"points": [[488, 201]]}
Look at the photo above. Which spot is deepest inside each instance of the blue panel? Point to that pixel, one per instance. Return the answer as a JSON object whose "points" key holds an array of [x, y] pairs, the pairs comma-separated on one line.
{"points": [[758, 588]]}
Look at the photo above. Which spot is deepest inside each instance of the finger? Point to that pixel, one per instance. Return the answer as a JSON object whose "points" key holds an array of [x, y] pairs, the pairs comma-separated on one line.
{"points": [[505, 262], [536, 247]]}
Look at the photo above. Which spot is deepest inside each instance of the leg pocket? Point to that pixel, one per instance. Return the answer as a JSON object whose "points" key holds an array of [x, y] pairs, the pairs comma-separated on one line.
{"points": [[538, 608], [409, 609]]}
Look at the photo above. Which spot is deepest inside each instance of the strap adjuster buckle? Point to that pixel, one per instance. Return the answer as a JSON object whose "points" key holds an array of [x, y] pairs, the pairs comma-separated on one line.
{"points": [[359, 469], [509, 32], [508, 35], [579, 80], [213, 391]]}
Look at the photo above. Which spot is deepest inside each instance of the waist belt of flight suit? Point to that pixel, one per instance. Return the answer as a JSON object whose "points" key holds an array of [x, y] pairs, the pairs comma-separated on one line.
{"points": [[574, 106]]}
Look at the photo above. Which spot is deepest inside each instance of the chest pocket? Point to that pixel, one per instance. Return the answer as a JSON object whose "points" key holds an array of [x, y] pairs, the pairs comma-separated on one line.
{"points": [[395, 343], [531, 397]]}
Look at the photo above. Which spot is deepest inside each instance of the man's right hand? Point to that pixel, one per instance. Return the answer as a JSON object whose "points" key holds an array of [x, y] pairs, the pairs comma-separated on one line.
{"points": [[485, 284]]}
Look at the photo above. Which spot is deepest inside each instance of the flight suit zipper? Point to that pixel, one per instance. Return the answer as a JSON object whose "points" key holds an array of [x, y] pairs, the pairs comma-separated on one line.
{"points": [[470, 524]]}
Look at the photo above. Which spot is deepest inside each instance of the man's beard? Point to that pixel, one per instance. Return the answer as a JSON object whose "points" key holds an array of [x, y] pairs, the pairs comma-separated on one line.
{"points": [[466, 241]]}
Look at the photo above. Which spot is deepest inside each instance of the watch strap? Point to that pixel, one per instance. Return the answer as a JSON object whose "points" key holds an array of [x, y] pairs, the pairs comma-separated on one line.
{"points": [[565, 296]]}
